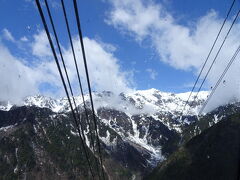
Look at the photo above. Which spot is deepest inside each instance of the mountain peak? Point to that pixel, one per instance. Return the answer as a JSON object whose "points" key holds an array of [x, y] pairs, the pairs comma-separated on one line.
{"points": [[150, 101]]}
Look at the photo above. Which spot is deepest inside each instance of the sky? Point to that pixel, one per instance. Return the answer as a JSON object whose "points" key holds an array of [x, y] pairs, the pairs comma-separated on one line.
{"points": [[130, 44]]}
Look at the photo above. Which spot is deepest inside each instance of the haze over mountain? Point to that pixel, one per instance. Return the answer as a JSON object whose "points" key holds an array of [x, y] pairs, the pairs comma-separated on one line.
{"points": [[137, 130]]}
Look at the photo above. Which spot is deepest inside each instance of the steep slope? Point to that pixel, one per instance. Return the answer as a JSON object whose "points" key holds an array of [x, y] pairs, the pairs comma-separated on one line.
{"points": [[205, 121], [37, 143], [137, 129], [34, 146], [214, 154]]}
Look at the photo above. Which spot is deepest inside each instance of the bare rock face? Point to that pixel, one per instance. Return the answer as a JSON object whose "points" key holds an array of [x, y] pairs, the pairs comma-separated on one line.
{"points": [[137, 131]]}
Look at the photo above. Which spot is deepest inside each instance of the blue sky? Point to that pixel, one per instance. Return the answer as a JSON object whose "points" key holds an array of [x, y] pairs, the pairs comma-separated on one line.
{"points": [[141, 59]]}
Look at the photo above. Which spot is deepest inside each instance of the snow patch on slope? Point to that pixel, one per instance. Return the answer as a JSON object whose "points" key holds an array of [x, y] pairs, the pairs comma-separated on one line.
{"points": [[6, 128]]}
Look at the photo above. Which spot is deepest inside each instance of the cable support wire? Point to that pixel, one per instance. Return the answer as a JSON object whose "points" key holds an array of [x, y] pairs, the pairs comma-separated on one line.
{"points": [[88, 82], [69, 84], [78, 74], [62, 59], [206, 60], [63, 81], [220, 79], [215, 58]]}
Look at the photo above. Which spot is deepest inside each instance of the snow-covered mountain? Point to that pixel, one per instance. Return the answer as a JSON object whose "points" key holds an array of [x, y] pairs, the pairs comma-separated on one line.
{"points": [[143, 124], [141, 101], [137, 130]]}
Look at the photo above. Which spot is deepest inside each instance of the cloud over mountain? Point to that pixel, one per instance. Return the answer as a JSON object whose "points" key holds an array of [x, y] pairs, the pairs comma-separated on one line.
{"points": [[22, 77], [181, 46]]}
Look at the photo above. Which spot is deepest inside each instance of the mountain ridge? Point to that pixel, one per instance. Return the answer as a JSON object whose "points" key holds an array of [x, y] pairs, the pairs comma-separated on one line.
{"points": [[149, 98], [131, 135], [213, 154]]}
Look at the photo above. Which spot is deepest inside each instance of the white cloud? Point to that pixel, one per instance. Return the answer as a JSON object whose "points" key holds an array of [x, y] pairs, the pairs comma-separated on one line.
{"points": [[105, 72], [40, 45], [24, 39], [55, 4], [153, 74], [180, 46], [21, 78], [17, 80], [7, 35], [107, 47]]}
